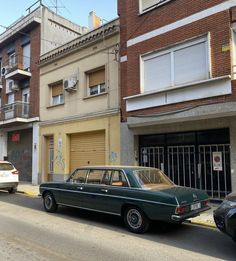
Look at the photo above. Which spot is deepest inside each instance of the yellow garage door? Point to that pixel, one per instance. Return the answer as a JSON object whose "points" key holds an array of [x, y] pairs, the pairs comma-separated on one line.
{"points": [[87, 149]]}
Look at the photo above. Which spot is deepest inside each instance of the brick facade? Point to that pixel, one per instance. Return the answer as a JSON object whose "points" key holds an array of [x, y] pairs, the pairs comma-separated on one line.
{"points": [[134, 24]]}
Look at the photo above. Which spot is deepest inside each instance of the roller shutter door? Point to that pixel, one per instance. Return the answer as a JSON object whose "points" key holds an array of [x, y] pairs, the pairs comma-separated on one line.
{"points": [[87, 149]]}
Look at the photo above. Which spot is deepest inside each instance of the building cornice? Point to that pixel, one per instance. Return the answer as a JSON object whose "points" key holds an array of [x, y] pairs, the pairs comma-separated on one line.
{"points": [[83, 41]]}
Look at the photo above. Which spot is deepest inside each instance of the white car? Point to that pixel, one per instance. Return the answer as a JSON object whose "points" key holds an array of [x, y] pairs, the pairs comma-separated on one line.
{"points": [[9, 177]]}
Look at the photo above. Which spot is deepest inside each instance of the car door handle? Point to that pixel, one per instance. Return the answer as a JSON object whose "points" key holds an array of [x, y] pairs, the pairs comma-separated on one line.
{"points": [[80, 188], [104, 190]]}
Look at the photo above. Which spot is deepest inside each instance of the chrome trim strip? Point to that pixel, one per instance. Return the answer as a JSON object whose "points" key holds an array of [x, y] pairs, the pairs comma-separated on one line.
{"points": [[111, 196], [91, 209]]}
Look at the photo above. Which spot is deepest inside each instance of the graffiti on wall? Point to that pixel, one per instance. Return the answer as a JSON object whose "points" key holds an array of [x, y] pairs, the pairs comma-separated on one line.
{"points": [[59, 159], [113, 157]]}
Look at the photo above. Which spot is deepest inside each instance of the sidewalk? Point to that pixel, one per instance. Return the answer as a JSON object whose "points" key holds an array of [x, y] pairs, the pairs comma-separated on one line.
{"points": [[205, 219], [28, 189]]}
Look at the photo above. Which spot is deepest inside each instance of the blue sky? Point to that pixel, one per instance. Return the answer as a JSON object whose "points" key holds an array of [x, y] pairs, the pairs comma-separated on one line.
{"points": [[75, 10]]}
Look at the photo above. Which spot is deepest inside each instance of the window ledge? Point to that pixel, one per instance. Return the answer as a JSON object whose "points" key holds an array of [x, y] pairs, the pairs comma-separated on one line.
{"points": [[96, 95], [176, 87], [55, 105]]}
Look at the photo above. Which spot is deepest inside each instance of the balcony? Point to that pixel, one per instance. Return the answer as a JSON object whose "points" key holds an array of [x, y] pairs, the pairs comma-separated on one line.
{"points": [[18, 68], [14, 112]]}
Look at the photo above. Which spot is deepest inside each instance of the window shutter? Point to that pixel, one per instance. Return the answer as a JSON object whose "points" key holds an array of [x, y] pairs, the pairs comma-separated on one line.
{"points": [[96, 78], [57, 90], [190, 64], [157, 72]]}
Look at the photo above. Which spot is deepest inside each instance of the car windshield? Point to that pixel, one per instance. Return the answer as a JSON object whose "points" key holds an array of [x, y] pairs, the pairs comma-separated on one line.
{"points": [[6, 166], [152, 178]]}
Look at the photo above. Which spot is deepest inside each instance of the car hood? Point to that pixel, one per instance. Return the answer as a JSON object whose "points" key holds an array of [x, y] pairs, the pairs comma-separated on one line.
{"points": [[186, 195]]}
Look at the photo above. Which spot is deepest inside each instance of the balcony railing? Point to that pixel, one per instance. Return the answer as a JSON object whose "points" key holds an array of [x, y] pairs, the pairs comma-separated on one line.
{"points": [[17, 68], [17, 109]]}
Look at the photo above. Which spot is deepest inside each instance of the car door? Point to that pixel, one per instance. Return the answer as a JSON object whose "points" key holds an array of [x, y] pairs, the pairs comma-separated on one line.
{"points": [[105, 189], [72, 192]]}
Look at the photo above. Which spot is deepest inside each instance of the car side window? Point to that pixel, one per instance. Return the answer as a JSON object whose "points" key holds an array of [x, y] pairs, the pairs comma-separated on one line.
{"points": [[95, 176], [118, 179], [79, 176]]}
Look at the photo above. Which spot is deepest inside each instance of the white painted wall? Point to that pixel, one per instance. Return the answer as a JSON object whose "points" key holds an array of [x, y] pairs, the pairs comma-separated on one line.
{"points": [[3, 145], [35, 153]]}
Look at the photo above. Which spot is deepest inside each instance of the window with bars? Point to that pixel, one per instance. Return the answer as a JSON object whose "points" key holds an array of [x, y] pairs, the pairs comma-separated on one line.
{"points": [[96, 82], [57, 93]]}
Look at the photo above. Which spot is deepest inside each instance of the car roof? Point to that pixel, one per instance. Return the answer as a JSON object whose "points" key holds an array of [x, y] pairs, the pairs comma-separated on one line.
{"points": [[4, 161], [113, 167]]}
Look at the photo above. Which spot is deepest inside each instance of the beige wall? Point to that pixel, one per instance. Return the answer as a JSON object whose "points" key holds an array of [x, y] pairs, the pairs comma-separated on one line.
{"points": [[78, 63], [61, 133]]}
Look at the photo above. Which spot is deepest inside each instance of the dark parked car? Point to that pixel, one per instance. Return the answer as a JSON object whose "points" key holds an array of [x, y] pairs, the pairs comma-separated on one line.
{"points": [[225, 216], [137, 194]]}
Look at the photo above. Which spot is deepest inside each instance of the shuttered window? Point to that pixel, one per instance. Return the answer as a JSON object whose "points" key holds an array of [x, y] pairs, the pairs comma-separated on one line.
{"points": [[57, 93], [96, 82], [179, 65], [149, 4]]}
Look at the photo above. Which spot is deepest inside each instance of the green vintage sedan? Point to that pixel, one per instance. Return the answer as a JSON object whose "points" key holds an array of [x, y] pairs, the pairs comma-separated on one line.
{"points": [[137, 194]]}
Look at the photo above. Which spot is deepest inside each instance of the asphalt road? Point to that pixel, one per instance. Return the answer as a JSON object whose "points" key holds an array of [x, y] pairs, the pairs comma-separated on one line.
{"points": [[27, 232]]}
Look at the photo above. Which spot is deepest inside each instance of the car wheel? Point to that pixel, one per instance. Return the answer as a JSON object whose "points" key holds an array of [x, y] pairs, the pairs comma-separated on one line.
{"points": [[49, 202], [135, 220], [12, 190]]}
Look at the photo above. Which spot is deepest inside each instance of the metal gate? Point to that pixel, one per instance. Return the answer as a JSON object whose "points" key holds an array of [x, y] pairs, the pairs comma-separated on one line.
{"points": [[182, 165], [214, 170], [152, 157], [189, 167]]}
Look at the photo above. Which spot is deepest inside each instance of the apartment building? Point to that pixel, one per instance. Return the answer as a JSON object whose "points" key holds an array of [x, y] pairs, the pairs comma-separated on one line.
{"points": [[21, 45], [79, 103], [178, 90]]}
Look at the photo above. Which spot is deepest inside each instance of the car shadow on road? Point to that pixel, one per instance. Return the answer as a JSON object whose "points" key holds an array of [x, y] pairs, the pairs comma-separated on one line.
{"points": [[201, 240]]}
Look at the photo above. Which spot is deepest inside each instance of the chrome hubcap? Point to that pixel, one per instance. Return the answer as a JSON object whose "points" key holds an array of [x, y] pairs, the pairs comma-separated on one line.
{"points": [[48, 202], [134, 218]]}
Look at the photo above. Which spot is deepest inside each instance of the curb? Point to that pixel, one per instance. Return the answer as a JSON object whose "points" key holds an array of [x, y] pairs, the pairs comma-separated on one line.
{"points": [[28, 193], [203, 223]]}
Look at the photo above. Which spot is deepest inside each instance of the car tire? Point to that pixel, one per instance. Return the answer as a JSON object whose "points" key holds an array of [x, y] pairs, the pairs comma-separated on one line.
{"points": [[12, 190], [49, 202], [136, 220]]}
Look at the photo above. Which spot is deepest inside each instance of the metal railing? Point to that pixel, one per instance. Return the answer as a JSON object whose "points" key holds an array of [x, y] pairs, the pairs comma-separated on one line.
{"points": [[18, 62], [17, 109]]}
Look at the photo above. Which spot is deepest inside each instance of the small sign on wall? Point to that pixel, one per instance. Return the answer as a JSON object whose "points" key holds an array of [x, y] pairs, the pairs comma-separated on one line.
{"points": [[15, 137], [217, 161]]}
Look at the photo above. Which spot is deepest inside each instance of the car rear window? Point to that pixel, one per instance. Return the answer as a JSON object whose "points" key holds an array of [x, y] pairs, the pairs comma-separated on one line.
{"points": [[6, 166]]}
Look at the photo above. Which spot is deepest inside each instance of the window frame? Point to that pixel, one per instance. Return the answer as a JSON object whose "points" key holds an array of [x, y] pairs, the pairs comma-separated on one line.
{"points": [[157, 53], [61, 96], [99, 86], [157, 5], [12, 57]]}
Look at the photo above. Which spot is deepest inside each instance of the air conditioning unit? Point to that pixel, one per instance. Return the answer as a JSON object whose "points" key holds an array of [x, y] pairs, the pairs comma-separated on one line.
{"points": [[4, 70], [69, 84]]}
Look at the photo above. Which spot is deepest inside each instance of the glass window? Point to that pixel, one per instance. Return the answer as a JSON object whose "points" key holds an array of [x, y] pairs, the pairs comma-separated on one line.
{"points": [[145, 5], [12, 59], [26, 56], [57, 93], [6, 166], [118, 179], [96, 82], [79, 176], [152, 178], [95, 176], [181, 64]]}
